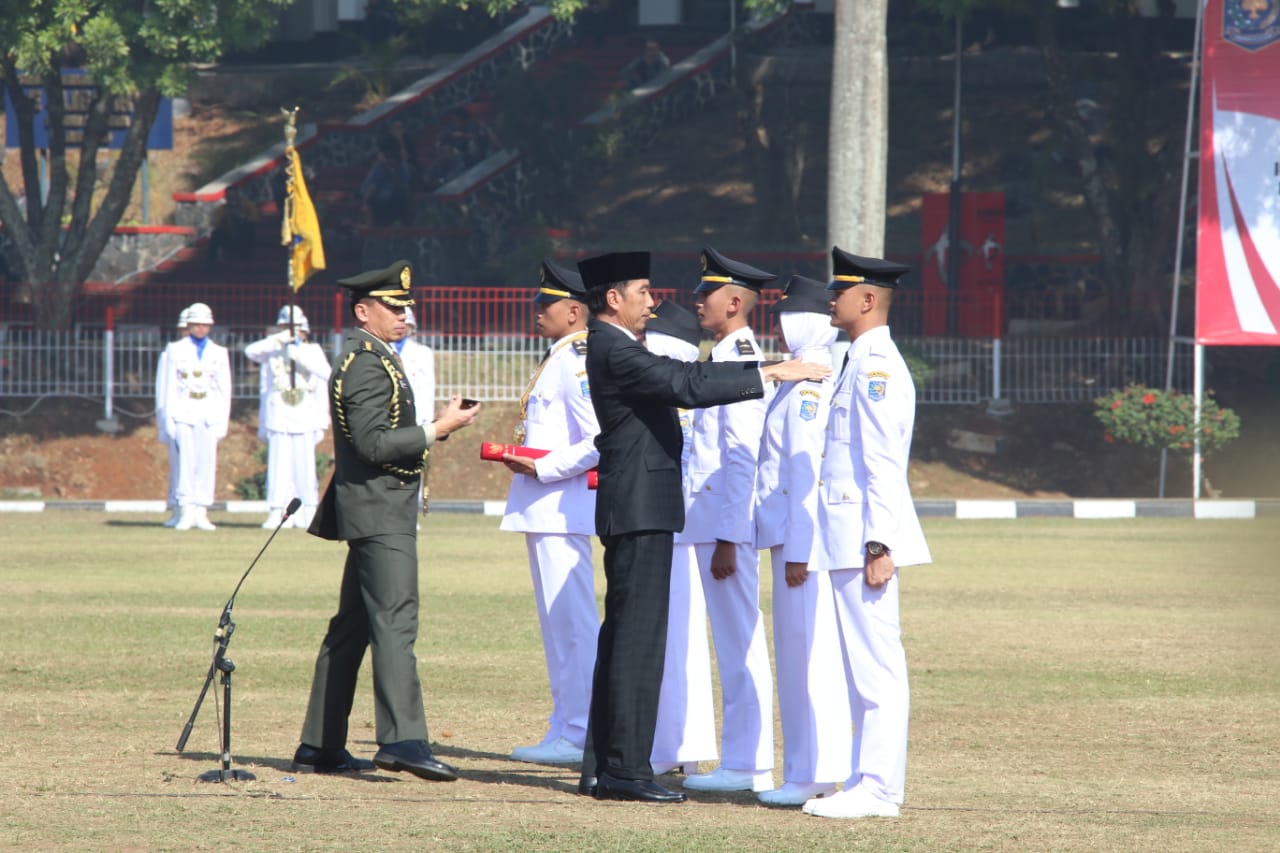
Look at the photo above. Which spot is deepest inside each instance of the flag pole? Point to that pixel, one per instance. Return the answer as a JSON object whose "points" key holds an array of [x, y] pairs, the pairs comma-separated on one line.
{"points": [[290, 134]]}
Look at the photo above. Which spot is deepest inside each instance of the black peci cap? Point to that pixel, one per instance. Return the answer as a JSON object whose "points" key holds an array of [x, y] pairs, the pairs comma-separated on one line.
{"points": [[848, 270], [557, 282], [390, 286], [677, 322], [802, 295], [613, 268], [717, 271]]}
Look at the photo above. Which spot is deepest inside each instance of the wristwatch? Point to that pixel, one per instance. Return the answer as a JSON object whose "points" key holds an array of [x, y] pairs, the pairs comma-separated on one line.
{"points": [[876, 549]]}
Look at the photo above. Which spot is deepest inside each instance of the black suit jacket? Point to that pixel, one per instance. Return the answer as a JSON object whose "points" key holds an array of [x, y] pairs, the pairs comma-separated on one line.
{"points": [[377, 445], [634, 393]]}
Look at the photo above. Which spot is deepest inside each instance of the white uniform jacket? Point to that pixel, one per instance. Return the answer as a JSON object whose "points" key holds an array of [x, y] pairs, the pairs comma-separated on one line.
{"points": [[279, 410], [420, 369], [561, 419], [863, 494], [720, 485], [197, 390], [790, 458]]}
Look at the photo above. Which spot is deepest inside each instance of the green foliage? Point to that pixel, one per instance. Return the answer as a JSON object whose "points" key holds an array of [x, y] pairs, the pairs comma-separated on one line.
{"points": [[376, 67], [918, 366], [1147, 417]]}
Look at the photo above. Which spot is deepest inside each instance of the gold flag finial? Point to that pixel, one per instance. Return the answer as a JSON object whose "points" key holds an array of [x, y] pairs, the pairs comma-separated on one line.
{"points": [[290, 125]]}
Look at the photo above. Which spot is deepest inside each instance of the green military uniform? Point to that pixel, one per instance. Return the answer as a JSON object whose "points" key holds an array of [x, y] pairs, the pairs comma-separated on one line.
{"points": [[371, 503]]}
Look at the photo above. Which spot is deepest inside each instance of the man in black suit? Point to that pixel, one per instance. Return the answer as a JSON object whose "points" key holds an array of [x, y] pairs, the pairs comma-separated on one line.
{"points": [[372, 504], [638, 509]]}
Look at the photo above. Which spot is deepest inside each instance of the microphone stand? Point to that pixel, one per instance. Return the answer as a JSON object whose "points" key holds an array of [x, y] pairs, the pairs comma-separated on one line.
{"points": [[222, 663]]}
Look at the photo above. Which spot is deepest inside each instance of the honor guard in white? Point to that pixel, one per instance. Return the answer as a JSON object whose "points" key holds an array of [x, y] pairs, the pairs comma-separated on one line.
{"points": [[720, 524], [162, 428], [550, 503], [293, 414], [868, 529], [686, 729], [419, 367], [197, 412], [813, 699]]}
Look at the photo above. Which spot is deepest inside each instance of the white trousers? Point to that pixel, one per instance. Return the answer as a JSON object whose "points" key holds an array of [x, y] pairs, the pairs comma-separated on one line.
{"points": [[876, 666], [172, 498], [813, 694], [742, 656], [565, 592], [197, 464], [291, 469], [686, 727]]}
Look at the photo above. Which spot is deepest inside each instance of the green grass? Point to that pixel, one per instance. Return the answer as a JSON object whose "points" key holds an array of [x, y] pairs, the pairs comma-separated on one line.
{"points": [[1110, 685]]}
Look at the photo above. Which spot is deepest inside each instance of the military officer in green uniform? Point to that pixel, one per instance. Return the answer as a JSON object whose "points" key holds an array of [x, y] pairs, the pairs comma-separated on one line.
{"points": [[372, 503]]}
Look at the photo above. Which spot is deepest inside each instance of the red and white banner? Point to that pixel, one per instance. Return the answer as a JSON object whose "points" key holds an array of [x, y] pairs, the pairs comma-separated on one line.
{"points": [[1238, 255]]}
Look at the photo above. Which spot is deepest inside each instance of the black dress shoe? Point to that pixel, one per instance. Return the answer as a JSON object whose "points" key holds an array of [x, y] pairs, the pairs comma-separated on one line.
{"points": [[587, 786], [414, 756], [312, 759], [636, 790]]}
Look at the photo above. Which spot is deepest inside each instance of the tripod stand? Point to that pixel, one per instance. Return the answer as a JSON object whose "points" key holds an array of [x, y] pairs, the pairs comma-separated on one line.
{"points": [[223, 664]]}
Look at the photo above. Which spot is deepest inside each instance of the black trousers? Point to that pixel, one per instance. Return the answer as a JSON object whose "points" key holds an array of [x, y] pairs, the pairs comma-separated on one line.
{"points": [[630, 654]]}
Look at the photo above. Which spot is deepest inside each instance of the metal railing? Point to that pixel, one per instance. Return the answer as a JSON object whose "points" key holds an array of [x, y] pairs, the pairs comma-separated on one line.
{"points": [[120, 363]]}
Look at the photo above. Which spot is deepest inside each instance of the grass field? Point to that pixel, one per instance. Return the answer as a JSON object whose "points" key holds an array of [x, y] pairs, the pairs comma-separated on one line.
{"points": [[1076, 685]]}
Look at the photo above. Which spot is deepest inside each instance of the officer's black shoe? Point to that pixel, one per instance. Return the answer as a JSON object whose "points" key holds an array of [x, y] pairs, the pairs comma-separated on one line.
{"points": [[587, 786], [636, 790], [312, 759], [414, 756]]}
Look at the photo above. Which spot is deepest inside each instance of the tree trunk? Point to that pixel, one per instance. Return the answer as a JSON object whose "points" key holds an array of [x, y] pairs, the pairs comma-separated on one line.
{"points": [[778, 121], [859, 139]]}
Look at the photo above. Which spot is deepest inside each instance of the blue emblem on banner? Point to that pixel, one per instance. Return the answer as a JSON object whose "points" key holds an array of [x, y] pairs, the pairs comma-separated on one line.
{"points": [[808, 410], [1251, 24], [876, 389]]}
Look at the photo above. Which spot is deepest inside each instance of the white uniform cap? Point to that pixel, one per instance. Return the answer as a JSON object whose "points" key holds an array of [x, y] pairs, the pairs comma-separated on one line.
{"points": [[409, 319], [198, 312], [182, 318], [299, 319]]}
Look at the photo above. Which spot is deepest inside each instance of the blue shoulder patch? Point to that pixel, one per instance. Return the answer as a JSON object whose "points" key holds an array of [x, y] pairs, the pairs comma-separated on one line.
{"points": [[808, 410]]}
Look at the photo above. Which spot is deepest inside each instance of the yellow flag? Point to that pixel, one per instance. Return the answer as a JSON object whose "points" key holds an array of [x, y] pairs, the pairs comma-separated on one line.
{"points": [[301, 230]]}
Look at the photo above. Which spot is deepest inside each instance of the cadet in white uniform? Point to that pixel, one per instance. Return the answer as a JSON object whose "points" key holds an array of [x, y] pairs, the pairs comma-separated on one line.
{"points": [[197, 411], [719, 522], [812, 690], [162, 428], [419, 368], [685, 732], [550, 503], [293, 414], [868, 528]]}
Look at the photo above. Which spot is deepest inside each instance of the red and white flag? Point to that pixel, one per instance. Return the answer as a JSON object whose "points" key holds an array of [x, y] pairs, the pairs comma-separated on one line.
{"points": [[1238, 254]]}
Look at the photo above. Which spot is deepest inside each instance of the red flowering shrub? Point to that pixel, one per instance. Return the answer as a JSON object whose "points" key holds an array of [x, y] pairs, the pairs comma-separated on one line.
{"points": [[1148, 417]]}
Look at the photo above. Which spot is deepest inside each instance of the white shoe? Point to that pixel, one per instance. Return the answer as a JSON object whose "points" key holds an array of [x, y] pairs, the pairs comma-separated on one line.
{"points": [[721, 779], [273, 519], [186, 518], [558, 751], [202, 519], [172, 521], [796, 793], [854, 803]]}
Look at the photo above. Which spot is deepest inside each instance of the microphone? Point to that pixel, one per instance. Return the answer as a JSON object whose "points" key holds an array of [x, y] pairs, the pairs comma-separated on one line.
{"points": [[294, 506]]}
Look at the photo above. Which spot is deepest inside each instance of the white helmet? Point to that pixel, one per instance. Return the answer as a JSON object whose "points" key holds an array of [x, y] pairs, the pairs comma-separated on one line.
{"points": [[409, 319], [198, 312], [299, 319], [182, 318]]}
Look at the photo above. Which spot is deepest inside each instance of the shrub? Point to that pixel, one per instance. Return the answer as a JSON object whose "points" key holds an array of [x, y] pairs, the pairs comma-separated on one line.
{"points": [[1147, 417]]}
